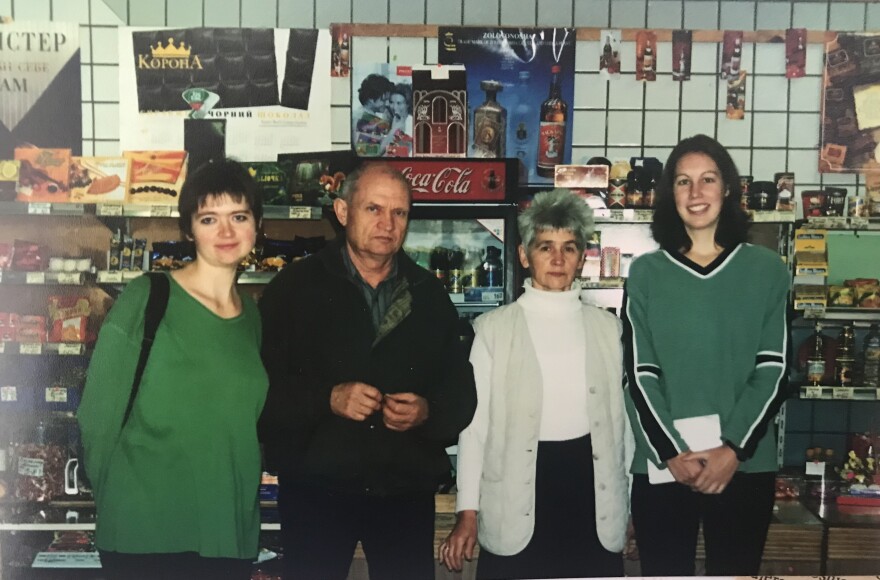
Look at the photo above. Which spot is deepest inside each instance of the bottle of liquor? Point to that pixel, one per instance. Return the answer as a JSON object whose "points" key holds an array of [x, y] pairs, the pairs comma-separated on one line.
{"points": [[815, 356], [492, 268], [551, 139], [679, 74], [490, 123], [439, 263], [871, 358], [523, 123], [844, 361], [606, 53], [648, 60], [736, 57]]}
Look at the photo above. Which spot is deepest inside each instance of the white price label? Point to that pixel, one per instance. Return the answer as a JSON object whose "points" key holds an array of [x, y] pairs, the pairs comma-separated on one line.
{"points": [[2, 346], [30, 467], [814, 313], [813, 393], [843, 393], [493, 296], [69, 278], [69, 348], [1, 276], [56, 395], [629, 215], [39, 208], [160, 211], [299, 212], [110, 277], [30, 348], [110, 209], [815, 468], [8, 394], [35, 278]]}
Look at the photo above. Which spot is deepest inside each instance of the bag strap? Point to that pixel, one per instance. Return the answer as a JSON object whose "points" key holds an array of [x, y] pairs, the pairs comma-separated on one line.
{"points": [[153, 313]]}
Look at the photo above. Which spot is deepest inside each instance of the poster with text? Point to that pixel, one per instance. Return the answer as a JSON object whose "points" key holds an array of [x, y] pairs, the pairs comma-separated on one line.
{"points": [[851, 105], [521, 83], [382, 110], [269, 86], [40, 87]]}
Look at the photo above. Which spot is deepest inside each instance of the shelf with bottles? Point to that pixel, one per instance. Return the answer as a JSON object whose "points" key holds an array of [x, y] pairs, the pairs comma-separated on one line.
{"points": [[843, 368], [855, 223], [637, 216], [836, 313], [838, 393]]}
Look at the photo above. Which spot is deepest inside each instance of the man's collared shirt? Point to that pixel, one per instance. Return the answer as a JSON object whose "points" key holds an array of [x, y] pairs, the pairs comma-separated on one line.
{"points": [[378, 298]]}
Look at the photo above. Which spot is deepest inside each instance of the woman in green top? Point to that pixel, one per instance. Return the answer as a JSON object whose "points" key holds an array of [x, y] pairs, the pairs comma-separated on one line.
{"points": [[705, 349], [176, 486]]}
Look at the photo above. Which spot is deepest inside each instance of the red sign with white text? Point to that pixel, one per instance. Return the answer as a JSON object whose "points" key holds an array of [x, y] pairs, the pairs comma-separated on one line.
{"points": [[457, 180]]}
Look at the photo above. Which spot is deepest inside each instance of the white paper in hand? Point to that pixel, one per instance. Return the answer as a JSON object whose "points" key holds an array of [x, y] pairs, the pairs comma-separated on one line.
{"points": [[700, 433]]}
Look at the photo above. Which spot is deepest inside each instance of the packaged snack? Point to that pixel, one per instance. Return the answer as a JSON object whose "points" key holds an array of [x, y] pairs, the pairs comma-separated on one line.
{"points": [[40, 472], [155, 177], [127, 252], [137, 257], [841, 296], [70, 318], [9, 170], [276, 254], [272, 180], [28, 256], [114, 262], [98, 179], [43, 174], [171, 255]]}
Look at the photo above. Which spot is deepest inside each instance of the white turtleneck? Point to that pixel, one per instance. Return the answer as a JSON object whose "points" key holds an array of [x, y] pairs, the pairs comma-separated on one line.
{"points": [[557, 333]]}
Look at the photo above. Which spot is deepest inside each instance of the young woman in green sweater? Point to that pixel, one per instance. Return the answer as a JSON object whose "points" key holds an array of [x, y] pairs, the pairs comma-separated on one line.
{"points": [[176, 486], [706, 354]]}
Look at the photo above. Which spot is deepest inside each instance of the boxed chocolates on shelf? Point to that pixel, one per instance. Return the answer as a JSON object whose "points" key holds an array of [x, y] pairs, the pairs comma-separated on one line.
{"points": [[98, 179], [315, 179], [155, 177], [43, 174]]}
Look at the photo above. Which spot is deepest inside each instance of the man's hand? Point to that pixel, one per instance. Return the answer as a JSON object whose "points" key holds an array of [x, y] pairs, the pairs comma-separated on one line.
{"points": [[403, 411], [684, 468], [355, 400], [720, 465], [459, 544]]}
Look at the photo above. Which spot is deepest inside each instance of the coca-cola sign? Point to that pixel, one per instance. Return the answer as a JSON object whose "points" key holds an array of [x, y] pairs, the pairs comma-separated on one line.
{"points": [[454, 180]]}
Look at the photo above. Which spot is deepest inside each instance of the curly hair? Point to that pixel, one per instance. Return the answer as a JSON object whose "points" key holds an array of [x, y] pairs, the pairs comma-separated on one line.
{"points": [[667, 226], [558, 209], [373, 87]]}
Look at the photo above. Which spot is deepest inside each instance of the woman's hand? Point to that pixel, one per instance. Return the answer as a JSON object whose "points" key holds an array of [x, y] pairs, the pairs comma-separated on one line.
{"points": [[459, 544], [685, 468], [720, 463]]}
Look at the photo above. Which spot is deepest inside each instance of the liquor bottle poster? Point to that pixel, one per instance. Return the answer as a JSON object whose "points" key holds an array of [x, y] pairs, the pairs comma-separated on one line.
{"points": [[525, 62], [382, 110], [850, 115], [270, 85], [40, 72]]}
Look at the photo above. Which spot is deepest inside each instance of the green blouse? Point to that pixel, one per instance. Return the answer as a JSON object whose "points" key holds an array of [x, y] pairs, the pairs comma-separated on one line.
{"points": [[183, 475]]}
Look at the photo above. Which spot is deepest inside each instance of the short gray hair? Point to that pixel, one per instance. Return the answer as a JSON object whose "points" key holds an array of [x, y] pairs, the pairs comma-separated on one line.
{"points": [[558, 209], [351, 183]]}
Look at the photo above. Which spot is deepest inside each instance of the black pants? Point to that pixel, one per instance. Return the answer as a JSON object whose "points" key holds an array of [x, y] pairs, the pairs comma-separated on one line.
{"points": [[181, 566], [564, 543], [320, 530], [735, 522]]}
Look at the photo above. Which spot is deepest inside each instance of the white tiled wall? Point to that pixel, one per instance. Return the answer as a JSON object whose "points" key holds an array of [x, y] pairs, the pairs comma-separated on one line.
{"points": [[616, 119]]}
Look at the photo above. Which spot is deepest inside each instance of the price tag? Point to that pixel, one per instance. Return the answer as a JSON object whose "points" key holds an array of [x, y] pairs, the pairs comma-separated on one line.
{"points": [[69, 278], [629, 215], [814, 313], [30, 348], [110, 277], [815, 468], [69, 348], [39, 208], [2, 346], [30, 467], [35, 278], [157, 211], [110, 210], [56, 395], [8, 394], [843, 393], [493, 296], [299, 212], [876, 393], [813, 393]]}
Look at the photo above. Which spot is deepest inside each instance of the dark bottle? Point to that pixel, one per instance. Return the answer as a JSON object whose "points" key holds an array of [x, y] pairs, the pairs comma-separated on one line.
{"points": [[648, 60], [844, 361], [606, 53], [490, 123], [816, 357], [870, 357], [454, 280], [551, 135], [439, 263], [492, 269], [634, 192]]}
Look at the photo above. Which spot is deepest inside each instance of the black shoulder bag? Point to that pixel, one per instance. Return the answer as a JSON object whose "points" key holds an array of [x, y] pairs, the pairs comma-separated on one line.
{"points": [[153, 313]]}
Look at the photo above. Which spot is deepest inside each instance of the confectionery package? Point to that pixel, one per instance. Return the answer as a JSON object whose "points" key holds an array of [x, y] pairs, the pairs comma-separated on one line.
{"points": [[155, 177], [98, 179], [43, 174]]}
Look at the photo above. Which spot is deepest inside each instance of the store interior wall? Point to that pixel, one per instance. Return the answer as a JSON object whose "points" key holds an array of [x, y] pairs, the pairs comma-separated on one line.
{"points": [[617, 120]]}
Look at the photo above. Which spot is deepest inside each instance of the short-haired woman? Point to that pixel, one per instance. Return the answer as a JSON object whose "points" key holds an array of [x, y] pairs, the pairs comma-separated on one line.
{"points": [[706, 343], [542, 480], [176, 486]]}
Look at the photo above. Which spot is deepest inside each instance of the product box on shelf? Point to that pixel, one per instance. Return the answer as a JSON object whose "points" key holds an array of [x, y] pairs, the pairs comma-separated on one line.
{"points": [[155, 177], [810, 240], [315, 179], [809, 296], [98, 179], [9, 170], [272, 179], [43, 174], [440, 111]]}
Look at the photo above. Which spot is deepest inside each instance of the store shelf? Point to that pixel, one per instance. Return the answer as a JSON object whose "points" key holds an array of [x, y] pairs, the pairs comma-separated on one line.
{"points": [[293, 212], [256, 277], [10, 277], [44, 348], [831, 393], [635, 216], [843, 223], [23, 208], [601, 283], [841, 313], [771, 216], [119, 277]]}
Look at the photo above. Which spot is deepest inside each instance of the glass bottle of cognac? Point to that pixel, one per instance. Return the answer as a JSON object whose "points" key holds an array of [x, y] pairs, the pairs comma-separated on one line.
{"points": [[551, 137]]}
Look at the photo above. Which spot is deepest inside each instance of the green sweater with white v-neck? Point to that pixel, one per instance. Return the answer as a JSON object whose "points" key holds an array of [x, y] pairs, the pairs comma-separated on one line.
{"points": [[183, 475], [702, 341]]}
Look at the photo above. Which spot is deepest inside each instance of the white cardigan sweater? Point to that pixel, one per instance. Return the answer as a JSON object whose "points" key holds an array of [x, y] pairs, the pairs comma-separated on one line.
{"points": [[501, 442]]}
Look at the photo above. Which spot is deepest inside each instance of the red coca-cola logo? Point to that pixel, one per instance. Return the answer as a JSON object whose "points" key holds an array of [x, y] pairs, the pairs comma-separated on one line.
{"points": [[449, 180]]}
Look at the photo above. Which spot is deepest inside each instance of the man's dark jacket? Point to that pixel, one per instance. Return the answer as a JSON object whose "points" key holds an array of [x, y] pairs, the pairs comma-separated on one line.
{"points": [[318, 333]]}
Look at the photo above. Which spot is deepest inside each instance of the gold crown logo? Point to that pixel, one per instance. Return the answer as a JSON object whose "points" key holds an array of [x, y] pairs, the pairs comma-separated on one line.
{"points": [[170, 51]]}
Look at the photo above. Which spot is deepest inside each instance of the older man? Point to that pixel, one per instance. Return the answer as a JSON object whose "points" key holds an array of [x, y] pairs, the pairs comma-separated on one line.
{"points": [[368, 385]]}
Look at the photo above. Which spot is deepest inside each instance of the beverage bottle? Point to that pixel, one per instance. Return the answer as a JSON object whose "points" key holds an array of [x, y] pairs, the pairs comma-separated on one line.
{"points": [[811, 356], [871, 358], [492, 269], [523, 124], [844, 361], [439, 263], [551, 137], [648, 61], [490, 123], [606, 53], [454, 280]]}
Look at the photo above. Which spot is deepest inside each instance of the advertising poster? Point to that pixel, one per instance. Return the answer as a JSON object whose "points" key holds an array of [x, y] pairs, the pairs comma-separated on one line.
{"points": [[268, 87], [520, 88], [382, 110], [851, 105], [39, 71]]}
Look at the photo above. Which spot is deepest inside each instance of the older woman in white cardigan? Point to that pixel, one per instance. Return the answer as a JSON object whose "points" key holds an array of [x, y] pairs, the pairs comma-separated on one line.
{"points": [[542, 473]]}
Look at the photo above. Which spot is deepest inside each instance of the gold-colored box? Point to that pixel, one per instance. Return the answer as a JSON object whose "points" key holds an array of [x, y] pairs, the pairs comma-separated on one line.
{"points": [[809, 240]]}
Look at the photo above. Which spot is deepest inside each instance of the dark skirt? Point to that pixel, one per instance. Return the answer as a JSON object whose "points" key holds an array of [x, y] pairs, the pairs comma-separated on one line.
{"points": [[564, 543]]}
